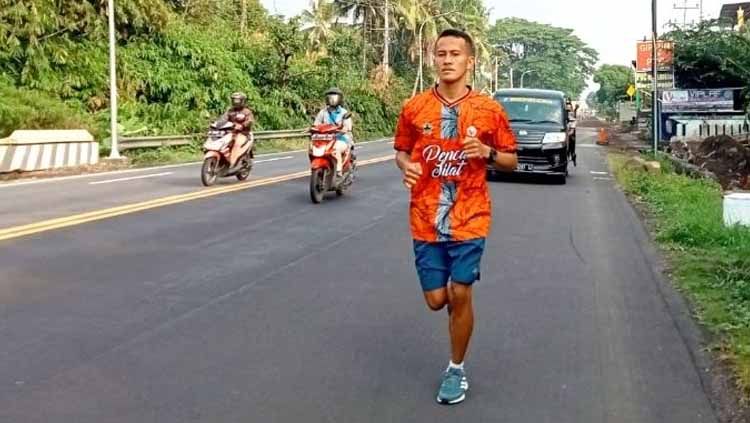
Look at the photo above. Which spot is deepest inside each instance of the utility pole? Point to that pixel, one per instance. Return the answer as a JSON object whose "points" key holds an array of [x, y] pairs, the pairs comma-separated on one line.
{"points": [[685, 9], [495, 76], [114, 153], [655, 69], [511, 77], [387, 37], [364, 41]]}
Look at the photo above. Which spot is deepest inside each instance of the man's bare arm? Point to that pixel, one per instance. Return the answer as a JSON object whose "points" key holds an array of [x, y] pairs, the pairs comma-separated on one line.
{"points": [[412, 170], [506, 161], [475, 149]]}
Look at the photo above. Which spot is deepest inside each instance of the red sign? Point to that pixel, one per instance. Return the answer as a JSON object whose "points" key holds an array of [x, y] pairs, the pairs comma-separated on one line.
{"points": [[665, 56]]}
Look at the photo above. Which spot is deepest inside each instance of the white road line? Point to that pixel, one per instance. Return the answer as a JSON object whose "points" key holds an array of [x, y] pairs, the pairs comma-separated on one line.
{"points": [[145, 169], [593, 172], [274, 159], [155, 175], [373, 142], [132, 178], [94, 175]]}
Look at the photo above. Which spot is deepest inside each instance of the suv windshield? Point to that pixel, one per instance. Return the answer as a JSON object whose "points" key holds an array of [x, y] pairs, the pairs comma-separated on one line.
{"points": [[532, 110]]}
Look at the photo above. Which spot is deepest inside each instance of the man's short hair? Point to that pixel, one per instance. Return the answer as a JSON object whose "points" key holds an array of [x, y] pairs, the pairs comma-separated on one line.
{"points": [[457, 33]]}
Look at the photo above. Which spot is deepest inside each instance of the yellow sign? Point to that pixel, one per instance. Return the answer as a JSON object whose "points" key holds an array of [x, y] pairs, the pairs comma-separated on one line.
{"points": [[631, 91]]}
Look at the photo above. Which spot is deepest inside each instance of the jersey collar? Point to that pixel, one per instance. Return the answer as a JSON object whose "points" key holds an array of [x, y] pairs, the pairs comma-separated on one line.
{"points": [[447, 103]]}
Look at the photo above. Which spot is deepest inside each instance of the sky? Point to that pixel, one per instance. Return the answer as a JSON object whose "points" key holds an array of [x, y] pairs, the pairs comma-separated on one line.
{"points": [[612, 27]]}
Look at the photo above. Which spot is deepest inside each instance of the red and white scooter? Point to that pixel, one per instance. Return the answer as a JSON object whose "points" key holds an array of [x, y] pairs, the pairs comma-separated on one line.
{"points": [[323, 163], [217, 159]]}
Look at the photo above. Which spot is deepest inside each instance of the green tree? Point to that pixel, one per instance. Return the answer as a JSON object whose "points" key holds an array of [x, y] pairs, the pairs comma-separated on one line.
{"points": [[410, 16], [591, 100], [287, 40], [473, 18], [369, 15], [247, 14], [59, 47], [178, 60], [318, 24], [709, 57], [613, 83], [556, 58]]}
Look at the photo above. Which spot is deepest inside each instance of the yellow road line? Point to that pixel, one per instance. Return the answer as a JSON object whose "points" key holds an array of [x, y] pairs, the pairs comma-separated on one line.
{"points": [[78, 219]]}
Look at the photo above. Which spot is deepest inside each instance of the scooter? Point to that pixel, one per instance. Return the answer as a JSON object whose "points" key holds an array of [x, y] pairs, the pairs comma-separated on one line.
{"points": [[218, 150], [323, 164]]}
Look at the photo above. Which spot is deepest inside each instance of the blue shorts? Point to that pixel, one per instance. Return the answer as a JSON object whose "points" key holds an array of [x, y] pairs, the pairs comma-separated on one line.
{"points": [[440, 262]]}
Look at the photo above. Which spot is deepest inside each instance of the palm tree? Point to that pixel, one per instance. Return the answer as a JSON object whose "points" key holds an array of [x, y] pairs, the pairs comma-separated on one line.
{"points": [[369, 14], [428, 17], [474, 19], [410, 16], [318, 25], [365, 10]]}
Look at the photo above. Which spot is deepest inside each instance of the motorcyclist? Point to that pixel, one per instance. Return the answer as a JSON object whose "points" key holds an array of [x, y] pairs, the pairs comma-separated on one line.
{"points": [[334, 113], [242, 117]]}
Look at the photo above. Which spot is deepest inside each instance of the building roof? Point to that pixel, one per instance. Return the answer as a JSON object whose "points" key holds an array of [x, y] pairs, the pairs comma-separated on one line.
{"points": [[729, 12]]}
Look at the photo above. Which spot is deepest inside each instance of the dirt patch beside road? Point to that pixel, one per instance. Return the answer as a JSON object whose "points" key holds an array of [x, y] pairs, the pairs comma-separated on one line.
{"points": [[724, 156], [593, 123]]}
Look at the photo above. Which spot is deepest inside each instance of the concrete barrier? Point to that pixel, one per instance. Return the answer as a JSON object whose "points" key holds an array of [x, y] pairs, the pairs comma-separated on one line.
{"points": [[700, 129], [737, 209], [29, 150]]}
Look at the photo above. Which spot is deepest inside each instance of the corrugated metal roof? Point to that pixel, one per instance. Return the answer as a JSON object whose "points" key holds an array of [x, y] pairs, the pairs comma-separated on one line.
{"points": [[729, 12]]}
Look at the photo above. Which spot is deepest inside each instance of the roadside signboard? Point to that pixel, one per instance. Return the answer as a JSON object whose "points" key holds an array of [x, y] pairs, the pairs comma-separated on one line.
{"points": [[665, 56], [644, 80], [698, 100]]}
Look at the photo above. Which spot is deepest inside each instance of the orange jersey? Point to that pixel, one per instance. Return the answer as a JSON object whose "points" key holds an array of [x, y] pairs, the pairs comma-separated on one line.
{"points": [[451, 201]]}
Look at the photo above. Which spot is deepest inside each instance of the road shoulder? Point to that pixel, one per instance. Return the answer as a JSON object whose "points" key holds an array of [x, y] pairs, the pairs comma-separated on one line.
{"points": [[717, 376]]}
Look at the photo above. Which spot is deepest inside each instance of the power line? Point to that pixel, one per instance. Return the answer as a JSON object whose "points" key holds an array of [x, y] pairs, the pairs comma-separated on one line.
{"points": [[685, 7]]}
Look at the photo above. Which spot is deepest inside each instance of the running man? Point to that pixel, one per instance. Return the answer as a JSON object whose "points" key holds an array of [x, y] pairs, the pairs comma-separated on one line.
{"points": [[444, 141]]}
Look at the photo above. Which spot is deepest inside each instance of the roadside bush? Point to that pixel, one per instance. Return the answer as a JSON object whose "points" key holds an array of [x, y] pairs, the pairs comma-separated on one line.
{"points": [[30, 109], [691, 210], [176, 80]]}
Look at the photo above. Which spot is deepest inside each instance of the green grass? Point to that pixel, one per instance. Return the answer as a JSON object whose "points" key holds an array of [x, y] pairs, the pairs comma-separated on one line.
{"points": [[163, 155], [275, 146], [711, 262]]}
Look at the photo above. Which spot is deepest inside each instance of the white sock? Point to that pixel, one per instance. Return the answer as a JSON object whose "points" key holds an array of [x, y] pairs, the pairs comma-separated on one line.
{"points": [[452, 365]]}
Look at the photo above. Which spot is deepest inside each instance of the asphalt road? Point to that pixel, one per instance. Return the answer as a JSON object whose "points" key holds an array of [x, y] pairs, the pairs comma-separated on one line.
{"points": [[257, 306], [26, 202]]}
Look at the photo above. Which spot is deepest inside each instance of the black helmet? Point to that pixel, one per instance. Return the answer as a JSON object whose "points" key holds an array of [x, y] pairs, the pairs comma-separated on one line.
{"points": [[334, 97], [239, 100]]}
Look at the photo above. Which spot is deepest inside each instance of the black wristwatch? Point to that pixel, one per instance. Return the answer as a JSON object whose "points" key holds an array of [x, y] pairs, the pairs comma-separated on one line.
{"points": [[493, 156]]}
